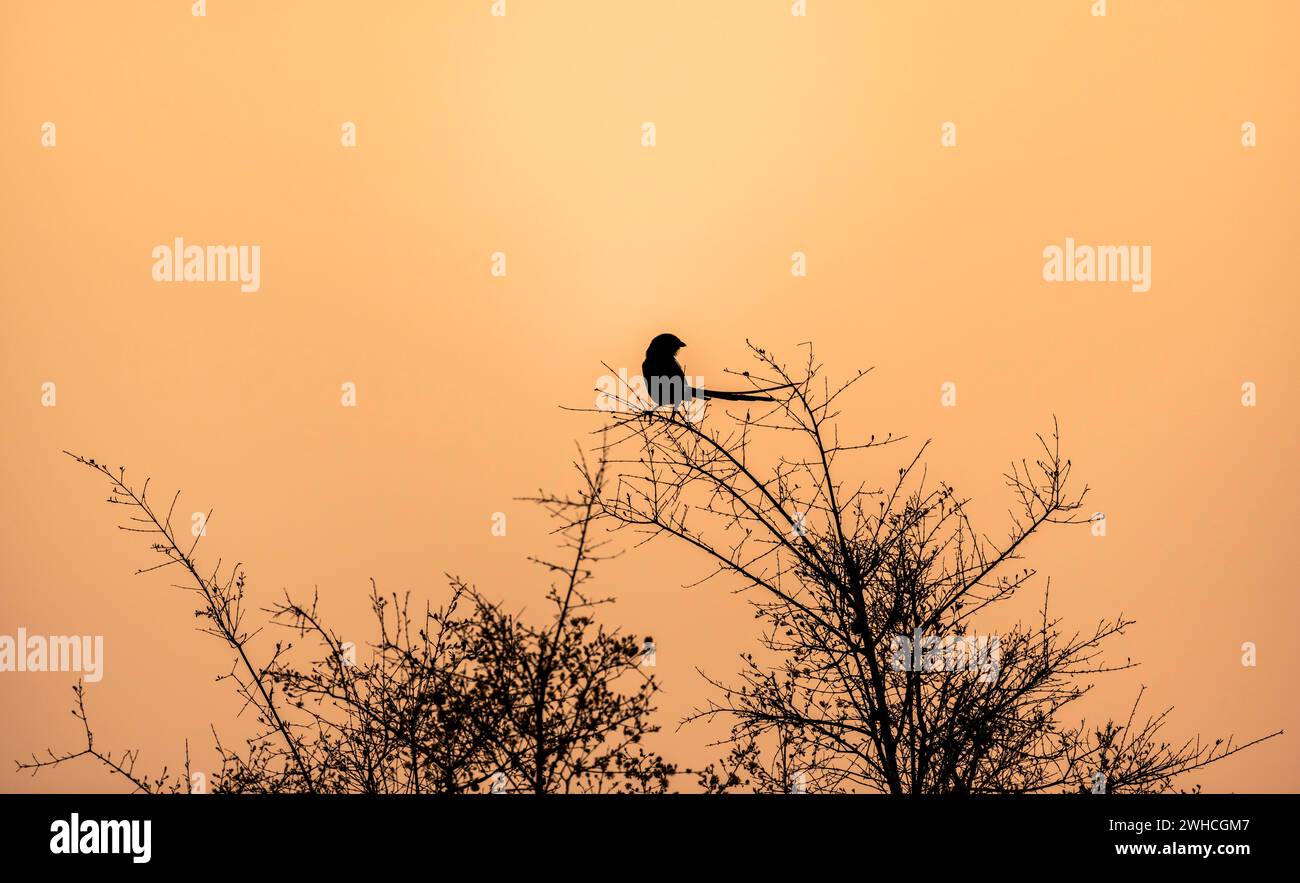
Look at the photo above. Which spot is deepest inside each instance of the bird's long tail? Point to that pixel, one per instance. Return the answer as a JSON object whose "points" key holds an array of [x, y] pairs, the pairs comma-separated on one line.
{"points": [[730, 396]]}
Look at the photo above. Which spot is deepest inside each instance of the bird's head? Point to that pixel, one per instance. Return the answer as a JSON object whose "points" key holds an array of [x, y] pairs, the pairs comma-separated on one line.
{"points": [[664, 345]]}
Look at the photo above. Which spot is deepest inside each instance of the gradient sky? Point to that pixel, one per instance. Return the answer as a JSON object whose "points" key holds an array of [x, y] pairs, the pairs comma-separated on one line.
{"points": [[522, 135]]}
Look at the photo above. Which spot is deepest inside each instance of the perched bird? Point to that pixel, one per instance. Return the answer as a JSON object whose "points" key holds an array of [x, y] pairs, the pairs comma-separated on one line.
{"points": [[666, 382]]}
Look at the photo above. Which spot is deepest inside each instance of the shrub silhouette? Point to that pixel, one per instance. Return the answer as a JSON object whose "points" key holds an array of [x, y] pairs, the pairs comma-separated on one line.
{"points": [[466, 697], [849, 579]]}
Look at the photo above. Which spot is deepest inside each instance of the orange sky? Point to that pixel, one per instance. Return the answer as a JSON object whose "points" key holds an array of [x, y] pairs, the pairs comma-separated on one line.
{"points": [[522, 135]]}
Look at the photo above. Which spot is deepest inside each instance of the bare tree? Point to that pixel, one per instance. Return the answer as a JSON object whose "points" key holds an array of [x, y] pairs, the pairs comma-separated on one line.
{"points": [[465, 697], [873, 676]]}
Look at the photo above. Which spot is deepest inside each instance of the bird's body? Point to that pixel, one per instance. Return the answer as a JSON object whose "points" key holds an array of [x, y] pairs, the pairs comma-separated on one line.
{"points": [[666, 381]]}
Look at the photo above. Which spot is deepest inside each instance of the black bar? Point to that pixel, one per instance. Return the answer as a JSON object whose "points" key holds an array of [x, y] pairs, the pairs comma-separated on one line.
{"points": [[636, 836]]}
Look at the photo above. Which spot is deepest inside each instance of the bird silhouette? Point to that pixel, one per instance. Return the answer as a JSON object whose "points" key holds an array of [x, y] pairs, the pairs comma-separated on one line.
{"points": [[666, 382]]}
